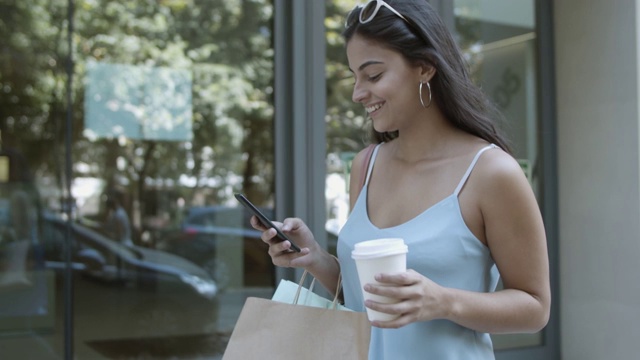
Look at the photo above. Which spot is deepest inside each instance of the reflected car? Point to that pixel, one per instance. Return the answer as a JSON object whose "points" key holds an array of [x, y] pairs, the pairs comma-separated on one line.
{"points": [[205, 231], [129, 291]]}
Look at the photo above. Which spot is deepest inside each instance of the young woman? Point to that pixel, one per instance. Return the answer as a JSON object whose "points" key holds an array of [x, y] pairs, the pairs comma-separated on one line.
{"points": [[442, 178]]}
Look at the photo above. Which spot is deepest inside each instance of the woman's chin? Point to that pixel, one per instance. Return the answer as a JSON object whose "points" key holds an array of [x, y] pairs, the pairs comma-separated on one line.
{"points": [[382, 129]]}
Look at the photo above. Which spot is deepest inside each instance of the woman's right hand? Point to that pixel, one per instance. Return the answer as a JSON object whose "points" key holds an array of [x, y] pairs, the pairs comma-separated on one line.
{"points": [[281, 252]]}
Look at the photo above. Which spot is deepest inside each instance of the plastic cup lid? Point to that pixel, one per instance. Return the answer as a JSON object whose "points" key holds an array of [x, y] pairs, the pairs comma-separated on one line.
{"points": [[378, 248]]}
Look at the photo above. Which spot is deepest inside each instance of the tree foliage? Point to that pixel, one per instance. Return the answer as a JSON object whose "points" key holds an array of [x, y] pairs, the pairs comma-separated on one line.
{"points": [[346, 121], [227, 47]]}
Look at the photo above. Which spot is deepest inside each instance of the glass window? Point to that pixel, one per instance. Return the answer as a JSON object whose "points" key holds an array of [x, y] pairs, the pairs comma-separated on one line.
{"points": [[498, 39], [347, 125], [499, 42], [172, 111]]}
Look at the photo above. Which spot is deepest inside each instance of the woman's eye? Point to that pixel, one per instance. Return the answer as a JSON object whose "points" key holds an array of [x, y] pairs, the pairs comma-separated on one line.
{"points": [[375, 77]]}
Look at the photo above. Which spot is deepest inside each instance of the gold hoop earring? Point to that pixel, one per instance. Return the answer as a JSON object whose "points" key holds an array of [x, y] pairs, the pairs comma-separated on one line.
{"points": [[420, 93]]}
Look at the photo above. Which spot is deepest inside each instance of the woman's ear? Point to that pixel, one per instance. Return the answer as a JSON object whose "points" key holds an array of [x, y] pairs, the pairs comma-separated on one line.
{"points": [[427, 72]]}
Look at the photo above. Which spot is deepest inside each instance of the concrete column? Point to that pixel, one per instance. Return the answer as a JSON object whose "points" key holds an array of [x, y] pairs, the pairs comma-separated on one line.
{"points": [[597, 73]]}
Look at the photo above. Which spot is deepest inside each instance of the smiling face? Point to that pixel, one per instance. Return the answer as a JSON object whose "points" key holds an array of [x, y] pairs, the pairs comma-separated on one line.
{"points": [[385, 84]]}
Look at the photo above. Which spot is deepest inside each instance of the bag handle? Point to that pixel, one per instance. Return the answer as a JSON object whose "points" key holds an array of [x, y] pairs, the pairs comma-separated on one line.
{"points": [[334, 304]]}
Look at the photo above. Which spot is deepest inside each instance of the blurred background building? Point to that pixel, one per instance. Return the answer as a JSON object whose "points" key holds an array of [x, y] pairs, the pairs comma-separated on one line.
{"points": [[177, 104]]}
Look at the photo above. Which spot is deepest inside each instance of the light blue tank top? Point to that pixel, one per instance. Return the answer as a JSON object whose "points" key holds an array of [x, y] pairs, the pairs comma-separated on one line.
{"points": [[442, 248]]}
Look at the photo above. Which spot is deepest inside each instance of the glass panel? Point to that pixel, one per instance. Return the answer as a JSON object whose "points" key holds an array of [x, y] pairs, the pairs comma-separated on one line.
{"points": [[346, 121], [32, 104], [499, 41], [172, 105]]}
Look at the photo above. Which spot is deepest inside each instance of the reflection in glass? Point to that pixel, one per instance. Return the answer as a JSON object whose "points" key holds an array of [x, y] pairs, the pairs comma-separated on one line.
{"points": [[172, 107], [137, 102], [347, 123], [499, 41]]}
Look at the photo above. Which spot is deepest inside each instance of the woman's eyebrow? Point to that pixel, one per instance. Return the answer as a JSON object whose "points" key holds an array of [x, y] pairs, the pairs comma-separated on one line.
{"points": [[367, 63]]}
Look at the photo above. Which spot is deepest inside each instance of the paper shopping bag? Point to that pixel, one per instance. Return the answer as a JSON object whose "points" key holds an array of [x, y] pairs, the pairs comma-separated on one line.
{"points": [[292, 293], [268, 329]]}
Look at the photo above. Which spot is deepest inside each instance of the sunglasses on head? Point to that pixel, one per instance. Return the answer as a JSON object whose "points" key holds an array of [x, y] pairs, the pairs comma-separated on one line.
{"points": [[370, 10]]}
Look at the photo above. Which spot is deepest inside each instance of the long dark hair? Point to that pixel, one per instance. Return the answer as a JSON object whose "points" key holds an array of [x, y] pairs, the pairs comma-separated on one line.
{"points": [[427, 40]]}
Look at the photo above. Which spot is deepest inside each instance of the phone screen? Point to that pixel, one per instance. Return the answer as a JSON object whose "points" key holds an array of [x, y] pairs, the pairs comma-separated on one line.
{"points": [[264, 220], [4, 168]]}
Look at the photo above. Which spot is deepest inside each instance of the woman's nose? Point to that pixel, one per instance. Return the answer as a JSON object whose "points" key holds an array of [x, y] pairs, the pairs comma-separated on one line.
{"points": [[359, 93]]}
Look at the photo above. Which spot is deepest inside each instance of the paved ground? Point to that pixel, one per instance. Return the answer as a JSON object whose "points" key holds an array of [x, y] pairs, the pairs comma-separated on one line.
{"points": [[92, 343]]}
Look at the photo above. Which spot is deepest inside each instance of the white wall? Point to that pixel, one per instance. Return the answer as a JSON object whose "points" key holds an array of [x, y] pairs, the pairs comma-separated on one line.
{"points": [[597, 76]]}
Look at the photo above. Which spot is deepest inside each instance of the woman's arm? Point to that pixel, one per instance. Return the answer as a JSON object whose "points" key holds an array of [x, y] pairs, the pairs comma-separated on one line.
{"points": [[323, 266], [515, 235]]}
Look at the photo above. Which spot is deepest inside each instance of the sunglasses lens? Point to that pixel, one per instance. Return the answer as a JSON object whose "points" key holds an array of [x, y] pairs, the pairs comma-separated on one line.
{"points": [[369, 11]]}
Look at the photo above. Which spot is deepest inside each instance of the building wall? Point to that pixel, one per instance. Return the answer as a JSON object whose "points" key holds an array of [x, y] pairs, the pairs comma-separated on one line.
{"points": [[596, 53]]}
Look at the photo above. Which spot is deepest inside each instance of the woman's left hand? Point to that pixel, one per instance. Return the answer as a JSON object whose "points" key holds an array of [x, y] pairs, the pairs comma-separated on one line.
{"points": [[419, 298]]}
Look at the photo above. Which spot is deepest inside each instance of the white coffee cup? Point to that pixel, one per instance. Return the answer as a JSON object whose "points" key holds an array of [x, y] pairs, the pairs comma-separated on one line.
{"points": [[388, 255]]}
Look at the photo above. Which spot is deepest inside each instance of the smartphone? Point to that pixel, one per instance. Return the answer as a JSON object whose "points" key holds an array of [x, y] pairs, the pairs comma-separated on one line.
{"points": [[264, 220], [4, 168]]}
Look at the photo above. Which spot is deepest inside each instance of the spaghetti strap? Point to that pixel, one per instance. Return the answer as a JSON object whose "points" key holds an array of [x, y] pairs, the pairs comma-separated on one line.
{"points": [[373, 160], [365, 163], [473, 163]]}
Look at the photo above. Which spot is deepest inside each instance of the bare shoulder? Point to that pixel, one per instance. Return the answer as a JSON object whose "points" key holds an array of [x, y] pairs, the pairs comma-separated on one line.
{"points": [[497, 171], [508, 204]]}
